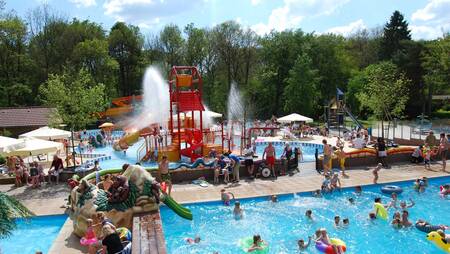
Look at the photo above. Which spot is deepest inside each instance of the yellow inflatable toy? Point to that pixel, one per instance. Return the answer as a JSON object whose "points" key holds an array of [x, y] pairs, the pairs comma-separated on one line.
{"points": [[437, 239], [380, 211]]}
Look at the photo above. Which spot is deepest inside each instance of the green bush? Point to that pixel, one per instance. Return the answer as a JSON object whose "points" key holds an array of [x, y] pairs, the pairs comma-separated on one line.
{"points": [[442, 114], [2, 160]]}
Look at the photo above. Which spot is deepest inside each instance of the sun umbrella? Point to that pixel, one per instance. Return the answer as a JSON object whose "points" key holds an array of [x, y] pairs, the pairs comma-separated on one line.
{"points": [[10, 144], [106, 125], [47, 133]]}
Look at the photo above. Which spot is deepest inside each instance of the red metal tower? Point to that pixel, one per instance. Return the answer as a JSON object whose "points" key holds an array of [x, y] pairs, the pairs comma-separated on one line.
{"points": [[185, 88]]}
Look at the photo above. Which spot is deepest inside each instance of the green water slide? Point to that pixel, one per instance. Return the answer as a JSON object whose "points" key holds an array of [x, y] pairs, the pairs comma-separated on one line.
{"points": [[170, 202]]}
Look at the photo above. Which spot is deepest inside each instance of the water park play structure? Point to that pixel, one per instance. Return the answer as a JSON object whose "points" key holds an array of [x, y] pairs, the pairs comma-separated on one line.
{"points": [[186, 135]]}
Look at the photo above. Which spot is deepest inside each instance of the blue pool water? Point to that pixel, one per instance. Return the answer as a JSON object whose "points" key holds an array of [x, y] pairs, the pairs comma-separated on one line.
{"points": [[130, 157], [308, 149], [34, 234], [282, 224]]}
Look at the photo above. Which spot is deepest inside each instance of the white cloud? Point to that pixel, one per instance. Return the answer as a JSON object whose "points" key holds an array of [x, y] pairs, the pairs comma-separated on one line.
{"points": [[428, 32], [435, 9], [431, 21], [147, 13], [256, 2], [84, 3], [294, 11], [348, 29]]}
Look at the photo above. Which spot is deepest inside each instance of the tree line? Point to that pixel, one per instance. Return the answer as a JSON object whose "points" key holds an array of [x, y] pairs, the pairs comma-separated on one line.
{"points": [[279, 73]]}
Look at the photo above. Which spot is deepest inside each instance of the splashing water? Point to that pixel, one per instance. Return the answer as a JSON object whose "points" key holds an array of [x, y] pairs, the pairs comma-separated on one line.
{"points": [[155, 102], [235, 108]]}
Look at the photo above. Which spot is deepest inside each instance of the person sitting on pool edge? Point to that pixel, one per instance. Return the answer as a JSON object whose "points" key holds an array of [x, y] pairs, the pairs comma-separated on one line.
{"points": [[257, 242], [226, 197], [335, 182], [301, 244], [238, 212]]}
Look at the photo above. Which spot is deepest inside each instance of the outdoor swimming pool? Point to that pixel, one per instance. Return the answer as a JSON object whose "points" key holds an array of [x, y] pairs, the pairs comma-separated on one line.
{"points": [[308, 149], [34, 234], [130, 157], [282, 224]]}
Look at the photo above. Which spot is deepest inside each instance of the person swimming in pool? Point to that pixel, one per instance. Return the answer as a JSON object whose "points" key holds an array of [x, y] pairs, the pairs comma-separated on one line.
{"points": [[308, 215], [257, 242], [404, 205], [345, 222], [238, 212], [326, 240], [337, 221], [301, 244], [394, 199], [274, 198], [192, 241]]}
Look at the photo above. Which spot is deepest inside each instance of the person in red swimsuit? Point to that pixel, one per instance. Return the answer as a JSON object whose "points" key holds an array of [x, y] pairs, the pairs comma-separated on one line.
{"points": [[269, 157]]}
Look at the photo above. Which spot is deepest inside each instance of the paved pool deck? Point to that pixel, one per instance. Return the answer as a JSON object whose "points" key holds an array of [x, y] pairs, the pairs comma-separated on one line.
{"points": [[307, 180]]}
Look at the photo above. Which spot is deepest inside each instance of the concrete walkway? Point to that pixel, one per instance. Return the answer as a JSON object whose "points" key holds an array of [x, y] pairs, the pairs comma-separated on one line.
{"points": [[307, 180]]}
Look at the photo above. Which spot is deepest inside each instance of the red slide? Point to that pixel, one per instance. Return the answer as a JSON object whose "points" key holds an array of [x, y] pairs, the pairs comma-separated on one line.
{"points": [[195, 140]]}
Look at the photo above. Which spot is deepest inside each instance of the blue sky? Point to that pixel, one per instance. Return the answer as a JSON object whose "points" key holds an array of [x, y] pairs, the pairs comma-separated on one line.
{"points": [[427, 18]]}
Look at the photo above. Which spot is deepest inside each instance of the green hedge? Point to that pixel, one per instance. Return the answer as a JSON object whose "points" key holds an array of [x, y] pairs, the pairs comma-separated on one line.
{"points": [[443, 114]]}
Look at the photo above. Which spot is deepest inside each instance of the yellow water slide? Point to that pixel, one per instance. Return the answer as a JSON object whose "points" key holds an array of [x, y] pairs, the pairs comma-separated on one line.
{"points": [[127, 141]]}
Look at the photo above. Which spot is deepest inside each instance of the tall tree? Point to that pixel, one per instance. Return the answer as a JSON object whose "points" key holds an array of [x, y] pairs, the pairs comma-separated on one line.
{"points": [[172, 45], [436, 65], [15, 65], [125, 45], [386, 91], [300, 93], [195, 46], [395, 31], [93, 56]]}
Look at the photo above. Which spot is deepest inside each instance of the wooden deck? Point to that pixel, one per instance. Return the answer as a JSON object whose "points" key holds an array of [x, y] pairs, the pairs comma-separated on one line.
{"points": [[148, 236]]}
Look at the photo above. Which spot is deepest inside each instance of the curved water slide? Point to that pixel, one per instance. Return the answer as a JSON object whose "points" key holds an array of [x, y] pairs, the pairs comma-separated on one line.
{"points": [[127, 141]]}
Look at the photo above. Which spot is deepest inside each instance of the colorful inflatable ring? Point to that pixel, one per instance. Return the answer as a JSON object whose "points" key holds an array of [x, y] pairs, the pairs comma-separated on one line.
{"points": [[380, 211], [124, 234], [87, 242], [247, 242], [389, 189], [437, 240], [328, 249]]}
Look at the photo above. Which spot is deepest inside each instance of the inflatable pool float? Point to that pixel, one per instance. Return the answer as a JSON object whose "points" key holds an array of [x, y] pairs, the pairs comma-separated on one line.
{"points": [[438, 241], [328, 249], [197, 162], [380, 211], [246, 243], [201, 183], [389, 189], [429, 228], [265, 172], [88, 241], [124, 234]]}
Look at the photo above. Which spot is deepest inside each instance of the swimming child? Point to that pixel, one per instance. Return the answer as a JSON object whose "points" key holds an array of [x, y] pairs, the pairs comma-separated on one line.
{"points": [[358, 190], [226, 197], [317, 194], [337, 221], [301, 244], [372, 216], [308, 214], [375, 172], [345, 222], [405, 206], [394, 199], [257, 242], [396, 223], [445, 237], [274, 198], [351, 201], [419, 185], [238, 212], [192, 241]]}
